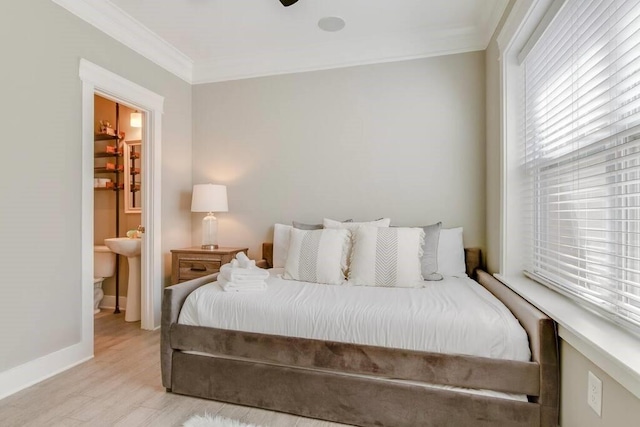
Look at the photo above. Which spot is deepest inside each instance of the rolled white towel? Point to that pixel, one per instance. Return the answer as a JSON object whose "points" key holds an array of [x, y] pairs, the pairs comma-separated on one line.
{"points": [[244, 261]]}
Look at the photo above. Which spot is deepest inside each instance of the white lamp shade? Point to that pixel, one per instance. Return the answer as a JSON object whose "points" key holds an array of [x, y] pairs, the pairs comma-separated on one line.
{"points": [[135, 120], [209, 198]]}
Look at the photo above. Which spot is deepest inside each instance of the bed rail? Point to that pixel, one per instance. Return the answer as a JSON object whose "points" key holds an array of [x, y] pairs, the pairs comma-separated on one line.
{"points": [[172, 300], [542, 334]]}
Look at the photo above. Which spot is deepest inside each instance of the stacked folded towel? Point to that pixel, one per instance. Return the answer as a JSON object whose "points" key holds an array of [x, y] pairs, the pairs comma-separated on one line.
{"points": [[242, 275]]}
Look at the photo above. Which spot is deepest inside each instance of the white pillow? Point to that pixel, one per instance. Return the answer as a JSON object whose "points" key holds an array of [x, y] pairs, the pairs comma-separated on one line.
{"points": [[388, 257], [451, 253], [331, 223], [280, 244], [318, 256]]}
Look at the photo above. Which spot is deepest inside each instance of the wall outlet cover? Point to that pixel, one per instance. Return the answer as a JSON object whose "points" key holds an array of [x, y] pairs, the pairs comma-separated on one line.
{"points": [[594, 393]]}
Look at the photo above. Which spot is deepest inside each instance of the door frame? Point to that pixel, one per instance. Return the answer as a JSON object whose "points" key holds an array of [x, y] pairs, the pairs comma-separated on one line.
{"points": [[97, 80]]}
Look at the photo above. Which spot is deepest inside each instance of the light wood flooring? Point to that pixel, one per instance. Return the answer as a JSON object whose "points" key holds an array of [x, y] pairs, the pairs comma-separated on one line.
{"points": [[121, 386]]}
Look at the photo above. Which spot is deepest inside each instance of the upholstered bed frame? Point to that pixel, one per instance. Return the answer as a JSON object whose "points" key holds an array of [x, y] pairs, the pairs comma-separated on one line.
{"points": [[349, 383]]}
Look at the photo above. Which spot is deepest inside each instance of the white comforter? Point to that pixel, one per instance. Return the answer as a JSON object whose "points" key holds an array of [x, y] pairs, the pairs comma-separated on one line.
{"points": [[456, 315]]}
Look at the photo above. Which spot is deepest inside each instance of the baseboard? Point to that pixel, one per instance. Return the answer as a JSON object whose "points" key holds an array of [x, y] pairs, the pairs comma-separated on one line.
{"points": [[34, 371], [109, 302]]}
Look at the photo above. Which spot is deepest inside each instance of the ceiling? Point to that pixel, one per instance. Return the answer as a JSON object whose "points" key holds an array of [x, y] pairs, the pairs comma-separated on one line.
{"points": [[232, 39]]}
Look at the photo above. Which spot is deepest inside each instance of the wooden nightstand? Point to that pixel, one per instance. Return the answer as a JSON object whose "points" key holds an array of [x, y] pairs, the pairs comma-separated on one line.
{"points": [[189, 263]]}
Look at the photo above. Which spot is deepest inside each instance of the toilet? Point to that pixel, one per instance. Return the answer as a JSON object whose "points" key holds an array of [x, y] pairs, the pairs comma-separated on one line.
{"points": [[104, 265]]}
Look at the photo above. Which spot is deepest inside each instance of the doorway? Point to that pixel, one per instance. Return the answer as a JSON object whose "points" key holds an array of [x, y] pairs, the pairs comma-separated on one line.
{"points": [[99, 81], [117, 209]]}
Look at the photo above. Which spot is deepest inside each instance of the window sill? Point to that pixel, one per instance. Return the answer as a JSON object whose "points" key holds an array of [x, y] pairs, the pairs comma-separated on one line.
{"points": [[613, 349]]}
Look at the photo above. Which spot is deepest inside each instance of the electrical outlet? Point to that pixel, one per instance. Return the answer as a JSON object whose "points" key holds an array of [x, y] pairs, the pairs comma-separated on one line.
{"points": [[594, 393]]}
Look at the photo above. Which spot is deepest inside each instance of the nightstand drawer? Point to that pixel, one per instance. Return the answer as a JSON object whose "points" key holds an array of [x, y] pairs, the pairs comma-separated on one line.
{"points": [[192, 268], [191, 263]]}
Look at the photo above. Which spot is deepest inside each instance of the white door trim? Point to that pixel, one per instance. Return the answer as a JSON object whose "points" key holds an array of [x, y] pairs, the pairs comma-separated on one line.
{"points": [[96, 79]]}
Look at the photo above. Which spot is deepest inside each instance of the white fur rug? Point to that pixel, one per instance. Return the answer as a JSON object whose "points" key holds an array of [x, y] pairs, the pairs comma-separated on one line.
{"points": [[207, 420]]}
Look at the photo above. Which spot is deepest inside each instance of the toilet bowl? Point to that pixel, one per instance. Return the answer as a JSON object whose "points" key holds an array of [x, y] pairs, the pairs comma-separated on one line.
{"points": [[104, 265]]}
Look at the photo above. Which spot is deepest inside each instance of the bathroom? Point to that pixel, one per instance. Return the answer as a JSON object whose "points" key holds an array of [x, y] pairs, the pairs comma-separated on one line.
{"points": [[117, 202]]}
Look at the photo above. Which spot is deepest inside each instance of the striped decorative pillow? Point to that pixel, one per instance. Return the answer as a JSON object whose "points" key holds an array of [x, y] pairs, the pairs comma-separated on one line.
{"points": [[318, 256], [388, 257]]}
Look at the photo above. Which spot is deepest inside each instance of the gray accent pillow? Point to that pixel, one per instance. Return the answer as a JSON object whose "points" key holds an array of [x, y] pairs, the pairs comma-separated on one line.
{"points": [[429, 261], [303, 226]]}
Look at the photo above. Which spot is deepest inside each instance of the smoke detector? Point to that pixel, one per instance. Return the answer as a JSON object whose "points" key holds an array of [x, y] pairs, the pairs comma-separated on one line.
{"points": [[331, 24]]}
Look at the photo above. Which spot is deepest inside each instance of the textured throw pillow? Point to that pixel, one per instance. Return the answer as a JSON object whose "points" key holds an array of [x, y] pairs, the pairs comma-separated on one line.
{"points": [[388, 257], [281, 234], [318, 256], [430, 257], [351, 225], [303, 226], [451, 253]]}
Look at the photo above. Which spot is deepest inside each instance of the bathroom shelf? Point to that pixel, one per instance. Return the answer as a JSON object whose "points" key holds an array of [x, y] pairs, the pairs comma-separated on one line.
{"points": [[114, 186], [103, 155], [109, 188], [104, 137], [105, 170]]}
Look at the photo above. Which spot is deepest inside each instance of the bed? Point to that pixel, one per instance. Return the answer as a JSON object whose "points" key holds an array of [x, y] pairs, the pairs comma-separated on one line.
{"points": [[364, 382]]}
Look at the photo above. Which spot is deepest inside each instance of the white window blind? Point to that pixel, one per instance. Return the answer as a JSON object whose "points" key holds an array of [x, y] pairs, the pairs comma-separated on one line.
{"points": [[582, 155]]}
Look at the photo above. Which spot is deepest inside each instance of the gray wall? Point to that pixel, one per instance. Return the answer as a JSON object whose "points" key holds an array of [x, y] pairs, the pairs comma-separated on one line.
{"points": [[619, 406], [404, 140], [40, 116]]}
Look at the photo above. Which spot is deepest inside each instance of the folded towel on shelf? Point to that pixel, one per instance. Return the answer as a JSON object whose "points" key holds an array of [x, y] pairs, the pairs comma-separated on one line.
{"points": [[252, 286]]}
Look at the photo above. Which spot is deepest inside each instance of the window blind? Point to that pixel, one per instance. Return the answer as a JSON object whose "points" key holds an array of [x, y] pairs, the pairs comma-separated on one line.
{"points": [[582, 156]]}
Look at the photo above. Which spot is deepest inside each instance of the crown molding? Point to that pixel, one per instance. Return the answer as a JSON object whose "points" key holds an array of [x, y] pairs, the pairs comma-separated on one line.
{"points": [[399, 46], [119, 25], [490, 18], [372, 50]]}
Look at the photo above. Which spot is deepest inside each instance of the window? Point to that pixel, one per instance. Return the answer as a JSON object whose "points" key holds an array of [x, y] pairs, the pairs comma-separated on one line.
{"points": [[582, 155]]}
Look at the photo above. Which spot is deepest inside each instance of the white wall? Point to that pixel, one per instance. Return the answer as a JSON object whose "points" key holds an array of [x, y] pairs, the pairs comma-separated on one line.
{"points": [[404, 140], [40, 112]]}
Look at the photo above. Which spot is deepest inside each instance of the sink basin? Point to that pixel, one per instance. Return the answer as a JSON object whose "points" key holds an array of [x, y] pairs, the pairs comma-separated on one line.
{"points": [[130, 248], [124, 246]]}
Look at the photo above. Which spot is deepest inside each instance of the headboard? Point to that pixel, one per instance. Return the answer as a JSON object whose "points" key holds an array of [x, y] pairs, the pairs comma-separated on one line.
{"points": [[473, 258]]}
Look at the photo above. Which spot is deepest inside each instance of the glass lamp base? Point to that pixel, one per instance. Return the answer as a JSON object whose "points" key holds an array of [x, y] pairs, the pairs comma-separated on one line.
{"points": [[209, 232]]}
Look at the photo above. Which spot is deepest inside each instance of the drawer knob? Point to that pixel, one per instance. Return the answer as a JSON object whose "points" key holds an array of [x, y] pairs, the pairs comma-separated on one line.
{"points": [[198, 267]]}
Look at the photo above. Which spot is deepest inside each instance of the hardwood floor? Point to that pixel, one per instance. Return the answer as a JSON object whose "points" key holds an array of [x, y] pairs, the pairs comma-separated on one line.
{"points": [[121, 386]]}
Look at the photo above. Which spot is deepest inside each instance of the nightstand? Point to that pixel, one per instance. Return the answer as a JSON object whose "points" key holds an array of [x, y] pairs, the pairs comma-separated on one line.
{"points": [[190, 263]]}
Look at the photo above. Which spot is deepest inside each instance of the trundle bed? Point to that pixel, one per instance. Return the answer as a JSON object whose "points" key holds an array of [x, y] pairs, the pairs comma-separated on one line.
{"points": [[364, 385]]}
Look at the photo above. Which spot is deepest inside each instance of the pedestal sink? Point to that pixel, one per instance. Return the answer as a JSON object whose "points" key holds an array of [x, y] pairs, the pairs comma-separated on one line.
{"points": [[131, 249]]}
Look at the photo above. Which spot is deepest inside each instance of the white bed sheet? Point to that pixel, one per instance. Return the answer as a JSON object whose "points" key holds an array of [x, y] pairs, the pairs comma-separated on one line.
{"points": [[454, 316]]}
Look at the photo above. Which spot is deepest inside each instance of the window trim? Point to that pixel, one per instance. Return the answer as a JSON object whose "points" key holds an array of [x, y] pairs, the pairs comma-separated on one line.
{"points": [[611, 347]]}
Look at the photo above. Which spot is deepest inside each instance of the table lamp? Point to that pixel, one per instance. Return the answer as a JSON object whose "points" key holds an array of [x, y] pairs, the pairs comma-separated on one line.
{"points": [[209, 198]]}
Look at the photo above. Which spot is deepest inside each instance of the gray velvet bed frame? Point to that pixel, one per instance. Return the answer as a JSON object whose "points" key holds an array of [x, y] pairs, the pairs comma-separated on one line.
{"points": [[349, 383]]}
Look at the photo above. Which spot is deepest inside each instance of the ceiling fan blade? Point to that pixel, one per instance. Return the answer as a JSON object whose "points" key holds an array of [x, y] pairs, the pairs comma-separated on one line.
{"points": [[287, 3]]}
